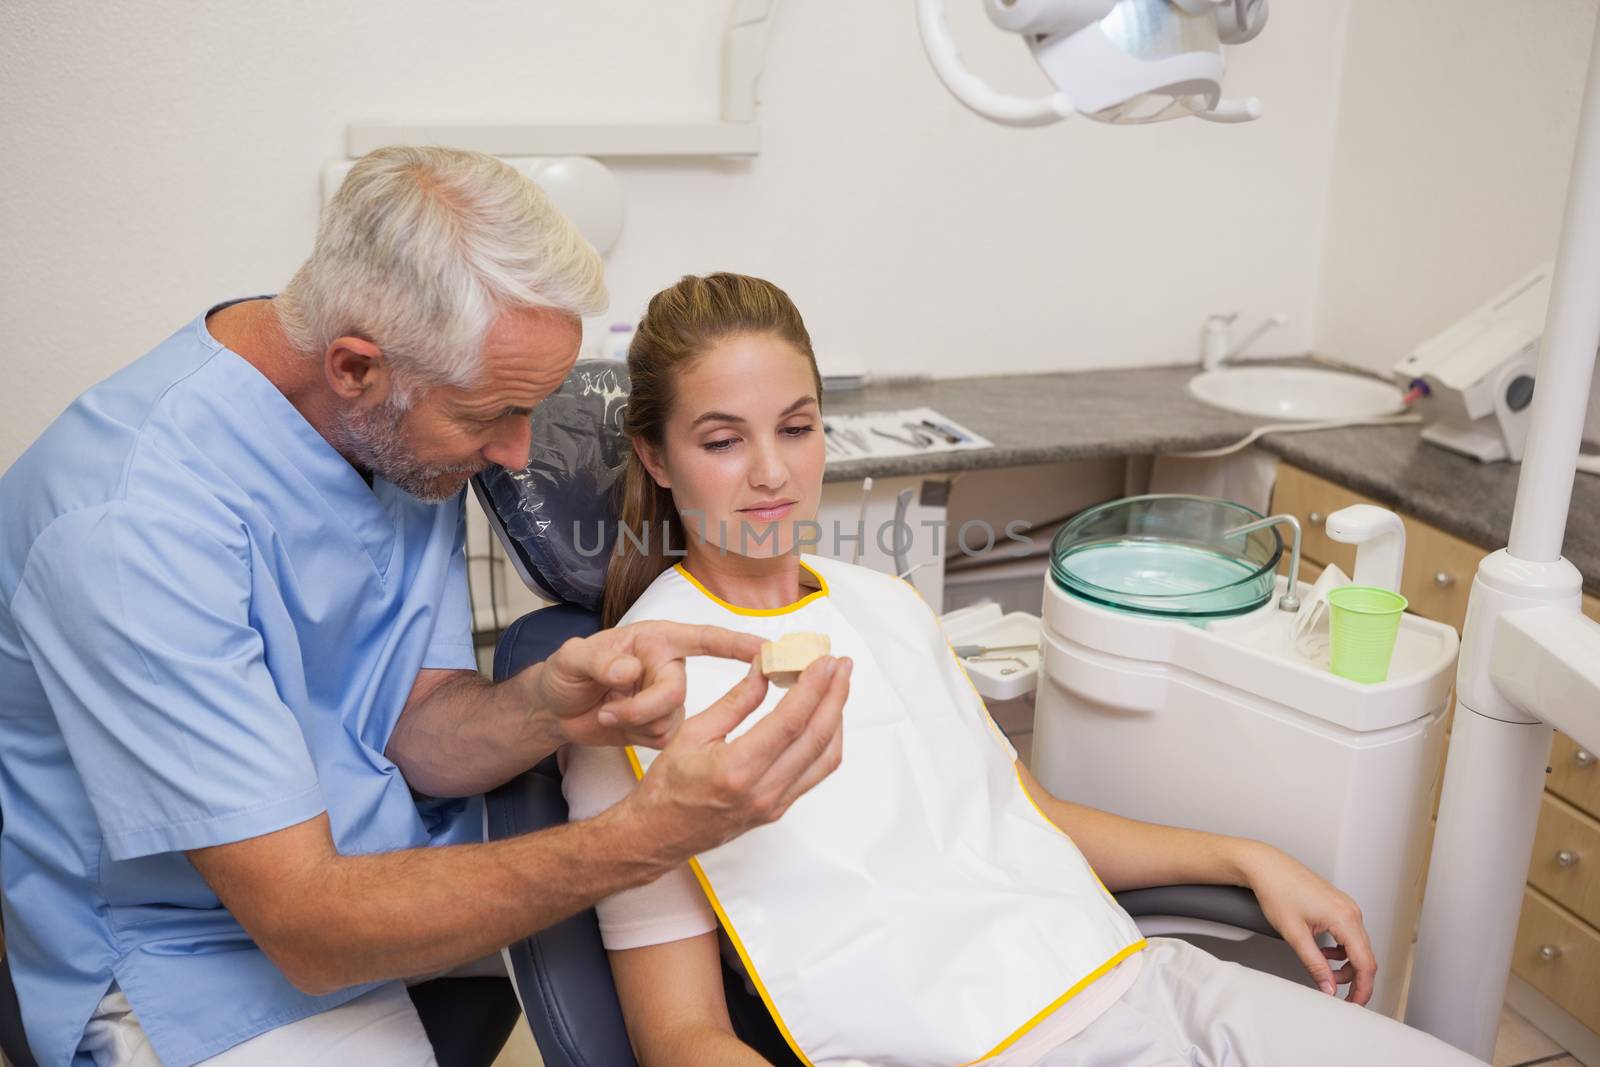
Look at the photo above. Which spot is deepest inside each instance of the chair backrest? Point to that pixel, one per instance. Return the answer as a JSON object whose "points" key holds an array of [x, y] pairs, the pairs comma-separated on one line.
{"points": [[556, 517]]}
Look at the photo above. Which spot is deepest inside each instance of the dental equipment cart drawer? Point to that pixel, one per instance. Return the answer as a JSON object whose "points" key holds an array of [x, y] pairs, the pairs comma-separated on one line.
{"points": [[1562, 905], [1559, 956], [1566, 851]]}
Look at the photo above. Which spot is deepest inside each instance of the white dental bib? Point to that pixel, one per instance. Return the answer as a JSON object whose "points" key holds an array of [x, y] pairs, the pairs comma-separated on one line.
{"points": [[915, 909]]}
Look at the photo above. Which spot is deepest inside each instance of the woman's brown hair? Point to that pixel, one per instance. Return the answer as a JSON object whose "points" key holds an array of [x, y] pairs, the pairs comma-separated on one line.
{"points": [[680, 324]]}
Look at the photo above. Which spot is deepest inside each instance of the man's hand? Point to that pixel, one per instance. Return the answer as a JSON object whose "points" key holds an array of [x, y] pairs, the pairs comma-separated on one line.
{"points": [[1301, 905], [625, 686], [459, 735], [704, 790], [330, 921]]}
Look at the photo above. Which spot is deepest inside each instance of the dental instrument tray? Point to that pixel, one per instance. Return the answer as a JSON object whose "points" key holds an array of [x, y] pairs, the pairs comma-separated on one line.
{"points": [[883, 434], [1000, 650], [1169, 556]]}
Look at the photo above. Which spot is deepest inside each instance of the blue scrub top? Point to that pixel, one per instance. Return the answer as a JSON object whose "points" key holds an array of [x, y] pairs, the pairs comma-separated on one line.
{"points": [[209, 624]]}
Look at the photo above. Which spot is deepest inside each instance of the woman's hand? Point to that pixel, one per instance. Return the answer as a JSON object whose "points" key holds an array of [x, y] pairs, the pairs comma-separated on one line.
{"points": [[1301, 905]]}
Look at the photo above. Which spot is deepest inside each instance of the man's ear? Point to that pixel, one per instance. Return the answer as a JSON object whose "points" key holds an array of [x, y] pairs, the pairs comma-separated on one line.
{"points": [[356, 369], [651, 458]]}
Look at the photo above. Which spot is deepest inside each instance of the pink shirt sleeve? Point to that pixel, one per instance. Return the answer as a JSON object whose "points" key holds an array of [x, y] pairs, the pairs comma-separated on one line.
{"points": [[669, 909]]}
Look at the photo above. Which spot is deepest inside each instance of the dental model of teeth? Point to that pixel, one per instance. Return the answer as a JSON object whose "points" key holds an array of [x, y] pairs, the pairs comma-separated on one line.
{"points": [[783, 660]]}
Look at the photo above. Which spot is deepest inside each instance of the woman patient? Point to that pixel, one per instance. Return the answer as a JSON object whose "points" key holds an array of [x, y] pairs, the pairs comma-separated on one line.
{"points": [[929, 904]]}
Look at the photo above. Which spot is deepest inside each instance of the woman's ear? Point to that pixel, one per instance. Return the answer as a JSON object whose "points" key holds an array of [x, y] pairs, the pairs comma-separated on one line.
{"points": [[651, 458]]}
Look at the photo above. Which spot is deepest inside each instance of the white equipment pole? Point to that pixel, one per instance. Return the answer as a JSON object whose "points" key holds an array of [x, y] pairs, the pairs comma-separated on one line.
{"points": [[1529, 661]]}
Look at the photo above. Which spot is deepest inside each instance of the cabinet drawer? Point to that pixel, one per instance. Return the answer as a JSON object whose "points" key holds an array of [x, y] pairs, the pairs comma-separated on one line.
{"points": [[1575, 775], [1439, 572], [1559, 956], [1438, 567], [1566, 859]]}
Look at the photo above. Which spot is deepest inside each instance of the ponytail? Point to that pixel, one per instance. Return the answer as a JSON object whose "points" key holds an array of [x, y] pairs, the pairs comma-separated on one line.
{"points": [[649, 527]]}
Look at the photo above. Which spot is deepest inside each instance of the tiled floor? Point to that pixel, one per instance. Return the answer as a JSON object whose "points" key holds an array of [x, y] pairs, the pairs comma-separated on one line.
{"points": [[1520, 1044], [520, 1051]]}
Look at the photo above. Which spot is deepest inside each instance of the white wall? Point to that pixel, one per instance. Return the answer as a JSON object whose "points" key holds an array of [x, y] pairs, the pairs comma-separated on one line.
{"points": [[1455, 136], [164, 154]]}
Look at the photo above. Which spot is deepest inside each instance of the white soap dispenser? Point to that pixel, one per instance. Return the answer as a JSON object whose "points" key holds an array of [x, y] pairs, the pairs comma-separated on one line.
{"points": [[1380, 541]]}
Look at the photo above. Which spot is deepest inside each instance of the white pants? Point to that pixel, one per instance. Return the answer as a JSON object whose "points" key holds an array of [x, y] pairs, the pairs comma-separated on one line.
{"points": [[377, 1027], [1189, 1009]]}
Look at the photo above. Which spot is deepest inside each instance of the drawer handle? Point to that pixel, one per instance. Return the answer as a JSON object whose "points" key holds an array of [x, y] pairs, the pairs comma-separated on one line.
{"points": [[1316, 518], [1583, 757], [1549, 952], [1566, 857], [1443, 579]]}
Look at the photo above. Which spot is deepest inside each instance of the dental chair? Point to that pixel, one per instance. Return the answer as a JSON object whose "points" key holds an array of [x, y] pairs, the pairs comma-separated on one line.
{"points": [[556, 523]]}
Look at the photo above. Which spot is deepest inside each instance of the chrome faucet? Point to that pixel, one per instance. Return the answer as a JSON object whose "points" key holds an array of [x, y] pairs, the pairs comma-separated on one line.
{"points": [[1216, 350], [1289, 601]]}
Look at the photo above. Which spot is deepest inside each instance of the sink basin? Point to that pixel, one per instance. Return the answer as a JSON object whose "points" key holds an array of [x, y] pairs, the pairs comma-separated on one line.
{"points": [[1296, 394]]}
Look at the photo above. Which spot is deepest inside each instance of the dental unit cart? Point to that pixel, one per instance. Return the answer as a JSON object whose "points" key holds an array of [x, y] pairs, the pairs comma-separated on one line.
{"points": [[1473, 383], [1171, 690]]}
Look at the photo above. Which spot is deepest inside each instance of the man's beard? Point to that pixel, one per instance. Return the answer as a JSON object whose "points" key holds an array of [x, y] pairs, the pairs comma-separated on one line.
{"points": [[373, 440]]}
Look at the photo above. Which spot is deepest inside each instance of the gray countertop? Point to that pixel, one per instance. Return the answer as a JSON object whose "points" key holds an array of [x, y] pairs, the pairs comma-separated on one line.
{"points": [[1047, 418]]}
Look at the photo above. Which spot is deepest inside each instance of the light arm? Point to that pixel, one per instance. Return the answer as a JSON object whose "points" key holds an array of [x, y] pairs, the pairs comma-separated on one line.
{"points": [[1546, 661], [971, 90]]}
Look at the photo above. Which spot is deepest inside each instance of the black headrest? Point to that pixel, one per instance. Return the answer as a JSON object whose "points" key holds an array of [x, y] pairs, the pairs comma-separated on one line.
{"points": [[557, 516]]}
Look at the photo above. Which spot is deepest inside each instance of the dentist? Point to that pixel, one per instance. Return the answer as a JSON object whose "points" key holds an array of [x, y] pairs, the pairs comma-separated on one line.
{"points": [[242, 740]]}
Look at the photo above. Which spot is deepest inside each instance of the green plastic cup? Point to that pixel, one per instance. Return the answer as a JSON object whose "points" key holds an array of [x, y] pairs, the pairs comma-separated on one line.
{"points": [[1364, 622]]}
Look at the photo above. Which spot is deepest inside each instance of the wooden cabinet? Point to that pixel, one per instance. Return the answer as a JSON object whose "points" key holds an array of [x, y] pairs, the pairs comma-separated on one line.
{"points": [[1559, 956], [1574, 775], [1566, 855], [1558, 942]]}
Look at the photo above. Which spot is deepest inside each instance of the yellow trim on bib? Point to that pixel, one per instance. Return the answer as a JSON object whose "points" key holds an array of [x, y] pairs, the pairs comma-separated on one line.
{"points": [[1055, 1005], [737, 610], [1052, 824], [733, 935], [727, 923], [962, 667]]}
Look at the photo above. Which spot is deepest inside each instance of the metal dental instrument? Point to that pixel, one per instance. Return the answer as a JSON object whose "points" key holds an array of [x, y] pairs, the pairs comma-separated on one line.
{"points": [[949, 435], [965, 651], [896, 437], [1021, 664]]}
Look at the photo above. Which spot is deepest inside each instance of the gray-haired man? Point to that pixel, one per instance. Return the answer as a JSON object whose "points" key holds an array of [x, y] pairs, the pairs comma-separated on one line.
{"points": [[235, 644]]}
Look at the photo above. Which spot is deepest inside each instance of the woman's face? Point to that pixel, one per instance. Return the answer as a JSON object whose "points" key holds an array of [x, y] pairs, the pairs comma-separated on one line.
{"points": [[743, 446]]}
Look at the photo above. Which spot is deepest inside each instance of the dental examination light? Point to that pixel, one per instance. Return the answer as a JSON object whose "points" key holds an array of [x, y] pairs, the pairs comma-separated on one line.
{"points": [[1530, 659], [1116, 61]]}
